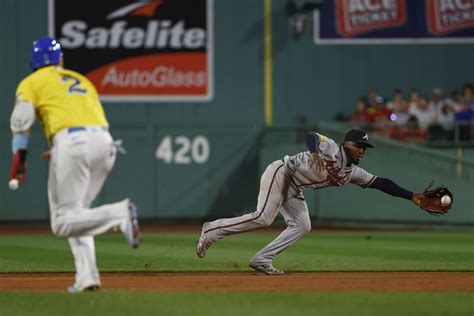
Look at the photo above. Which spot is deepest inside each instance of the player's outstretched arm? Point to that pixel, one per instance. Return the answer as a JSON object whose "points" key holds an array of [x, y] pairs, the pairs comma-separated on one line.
{"points": [[436, 201], [390, 187]]}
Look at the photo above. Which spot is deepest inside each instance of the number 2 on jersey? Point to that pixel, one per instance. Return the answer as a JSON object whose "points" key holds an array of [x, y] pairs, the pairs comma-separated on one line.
{"points": [[73, 88]]}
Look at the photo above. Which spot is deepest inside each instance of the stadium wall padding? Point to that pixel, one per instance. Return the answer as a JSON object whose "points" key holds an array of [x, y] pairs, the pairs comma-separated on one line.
{"points": [[308, 80]]}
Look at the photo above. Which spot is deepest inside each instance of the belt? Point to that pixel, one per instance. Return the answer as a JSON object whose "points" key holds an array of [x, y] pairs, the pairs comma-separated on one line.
{"points": [[83, 128], [75, 129]]}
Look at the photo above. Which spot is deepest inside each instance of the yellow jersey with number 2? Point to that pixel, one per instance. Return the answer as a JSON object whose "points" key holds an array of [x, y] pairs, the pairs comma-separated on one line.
{"points": [[62, 98]]}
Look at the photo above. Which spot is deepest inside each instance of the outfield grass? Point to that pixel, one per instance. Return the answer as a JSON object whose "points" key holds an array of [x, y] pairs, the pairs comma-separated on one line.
{"points": [[318, 251], [219, 304], [174, 252]]}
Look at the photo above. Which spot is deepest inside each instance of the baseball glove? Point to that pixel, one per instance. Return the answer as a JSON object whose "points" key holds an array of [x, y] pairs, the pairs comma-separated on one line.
{"points": [[434, 201]]}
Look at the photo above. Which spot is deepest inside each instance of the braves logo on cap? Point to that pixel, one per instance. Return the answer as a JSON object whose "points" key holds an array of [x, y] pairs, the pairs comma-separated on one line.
{"points": [[358, 136]]}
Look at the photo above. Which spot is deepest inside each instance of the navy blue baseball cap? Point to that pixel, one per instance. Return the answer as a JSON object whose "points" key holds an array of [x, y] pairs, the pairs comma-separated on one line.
{"points": [[358, 136]]}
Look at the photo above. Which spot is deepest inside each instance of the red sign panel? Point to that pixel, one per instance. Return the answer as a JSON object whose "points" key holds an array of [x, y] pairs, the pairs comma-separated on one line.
{"points": [[446, 16], [354, 17]]}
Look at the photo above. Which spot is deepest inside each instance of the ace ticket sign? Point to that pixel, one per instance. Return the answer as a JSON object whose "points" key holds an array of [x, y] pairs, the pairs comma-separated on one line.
{"points": [[394, 21], [146, 50]]}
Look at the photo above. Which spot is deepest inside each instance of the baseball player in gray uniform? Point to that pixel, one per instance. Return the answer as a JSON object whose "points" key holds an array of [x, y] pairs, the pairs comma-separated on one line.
{"points": [[325, 164]]}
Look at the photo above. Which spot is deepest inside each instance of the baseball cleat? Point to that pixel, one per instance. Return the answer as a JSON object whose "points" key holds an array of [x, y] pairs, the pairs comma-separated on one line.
{"points": [[74, 289], [203, 243], [132, 230], [266, 268]]}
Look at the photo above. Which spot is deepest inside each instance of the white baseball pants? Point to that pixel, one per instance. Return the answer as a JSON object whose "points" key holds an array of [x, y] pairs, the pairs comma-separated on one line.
{"points": [[276, 195], [81, 158]]}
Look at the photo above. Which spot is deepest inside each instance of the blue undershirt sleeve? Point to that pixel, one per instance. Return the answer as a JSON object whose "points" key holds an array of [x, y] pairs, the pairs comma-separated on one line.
{"points": [[390, 187], [312, 142], [19, 141]]}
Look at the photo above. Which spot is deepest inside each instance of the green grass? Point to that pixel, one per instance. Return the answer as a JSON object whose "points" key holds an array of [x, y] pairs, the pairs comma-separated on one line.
{"points": [[319, 251], [274, 304]]}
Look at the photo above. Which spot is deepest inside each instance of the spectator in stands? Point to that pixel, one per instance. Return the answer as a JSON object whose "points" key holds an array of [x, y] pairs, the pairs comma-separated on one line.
{"points": [[455, 100], [414, 96], [401, 116], [437, 101], [443, 127], [380, 115], [395, 103], [360, 118], [464, 114], [468, 96], [418, 119], [425, 115], [372, 97], [445, 119], [405, 125]]}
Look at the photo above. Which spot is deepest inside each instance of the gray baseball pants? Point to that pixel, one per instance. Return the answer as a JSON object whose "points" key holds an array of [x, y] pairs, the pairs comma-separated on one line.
{"points": [[276, 195]]}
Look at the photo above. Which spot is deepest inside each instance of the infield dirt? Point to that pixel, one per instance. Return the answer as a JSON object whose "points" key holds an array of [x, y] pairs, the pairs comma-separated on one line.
{"points": [[229, 282]]}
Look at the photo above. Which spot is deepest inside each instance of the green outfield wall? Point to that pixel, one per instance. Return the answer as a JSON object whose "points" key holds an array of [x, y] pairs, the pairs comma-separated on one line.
{"points": [[194, 160]]}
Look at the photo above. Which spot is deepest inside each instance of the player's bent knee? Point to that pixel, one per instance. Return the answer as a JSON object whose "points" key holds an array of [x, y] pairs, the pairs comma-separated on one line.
{"points": [[60, 229], [56, 230], [264, 221], [305, 227]]}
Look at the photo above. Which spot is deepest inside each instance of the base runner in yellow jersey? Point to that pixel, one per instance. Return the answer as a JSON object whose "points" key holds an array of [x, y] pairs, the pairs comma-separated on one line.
{"points": [[81, 156]]}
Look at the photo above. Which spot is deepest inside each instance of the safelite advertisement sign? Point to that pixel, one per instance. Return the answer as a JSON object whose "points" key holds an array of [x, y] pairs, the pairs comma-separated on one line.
{"points": [[147, 50]]}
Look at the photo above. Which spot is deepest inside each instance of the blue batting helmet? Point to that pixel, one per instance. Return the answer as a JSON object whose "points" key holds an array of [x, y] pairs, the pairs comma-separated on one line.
{"points": [[45, 51]]}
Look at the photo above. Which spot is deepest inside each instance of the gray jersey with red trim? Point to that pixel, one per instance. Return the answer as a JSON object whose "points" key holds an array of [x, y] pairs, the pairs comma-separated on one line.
{"points": [[336, 172]]}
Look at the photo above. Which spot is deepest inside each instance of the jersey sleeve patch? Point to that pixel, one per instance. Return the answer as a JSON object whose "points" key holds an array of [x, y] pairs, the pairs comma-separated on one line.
{"points": [[322, 138]]}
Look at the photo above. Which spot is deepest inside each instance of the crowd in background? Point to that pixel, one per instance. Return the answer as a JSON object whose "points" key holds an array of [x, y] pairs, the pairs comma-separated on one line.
{"points": [[416, 117]]}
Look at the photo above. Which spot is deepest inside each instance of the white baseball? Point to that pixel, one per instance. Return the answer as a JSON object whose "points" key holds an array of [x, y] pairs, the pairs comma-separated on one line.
{"points": [[445, 200], [13, 184]]}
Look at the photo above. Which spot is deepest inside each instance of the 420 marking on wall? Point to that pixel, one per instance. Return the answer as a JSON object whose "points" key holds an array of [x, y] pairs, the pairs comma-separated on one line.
{"points": [[183, 150]]}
